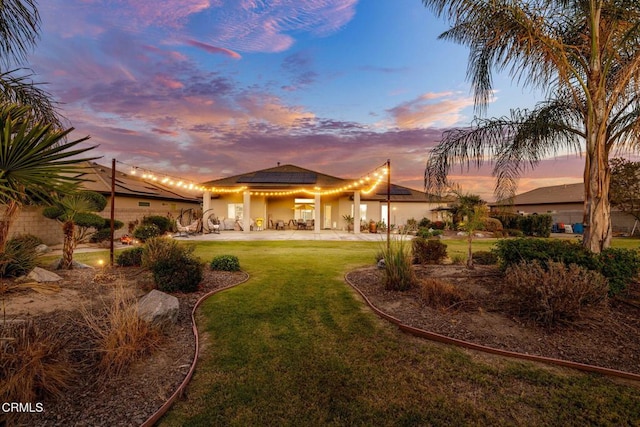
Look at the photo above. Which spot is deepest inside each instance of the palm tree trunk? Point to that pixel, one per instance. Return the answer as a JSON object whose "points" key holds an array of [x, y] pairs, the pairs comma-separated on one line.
{"points": [[68, 246], [6, 221], [597, 221]]}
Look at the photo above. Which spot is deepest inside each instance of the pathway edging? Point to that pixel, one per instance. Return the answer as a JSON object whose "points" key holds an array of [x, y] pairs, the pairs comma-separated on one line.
{"points": [[478, 347], [181, 388]]}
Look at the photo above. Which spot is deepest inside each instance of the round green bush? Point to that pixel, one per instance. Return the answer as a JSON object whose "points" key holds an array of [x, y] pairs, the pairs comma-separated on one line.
{"points": [[225, 263], [182, 274], [146, 231], [485, 258], [164, 224], [130, 257]]}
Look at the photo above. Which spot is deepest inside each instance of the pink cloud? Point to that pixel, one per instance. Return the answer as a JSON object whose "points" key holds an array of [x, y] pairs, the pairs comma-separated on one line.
{"points": [[431, 109], [213, 49]]}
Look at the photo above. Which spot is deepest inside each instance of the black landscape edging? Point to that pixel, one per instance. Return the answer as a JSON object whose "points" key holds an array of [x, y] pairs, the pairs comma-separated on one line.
{"points": [[478, 347], [180, 390]]}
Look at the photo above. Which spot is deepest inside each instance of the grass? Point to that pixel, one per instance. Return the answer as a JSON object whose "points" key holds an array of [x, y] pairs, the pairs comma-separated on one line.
{"points": [[294, 346]]}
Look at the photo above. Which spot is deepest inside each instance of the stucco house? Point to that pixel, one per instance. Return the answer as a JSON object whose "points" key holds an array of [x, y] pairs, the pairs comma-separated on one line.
{"points": [[135, 197], [565, 203], [288, 195]]}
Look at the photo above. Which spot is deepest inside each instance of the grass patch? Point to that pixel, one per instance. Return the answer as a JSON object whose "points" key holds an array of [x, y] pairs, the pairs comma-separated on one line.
{"points": [[294, 346]]}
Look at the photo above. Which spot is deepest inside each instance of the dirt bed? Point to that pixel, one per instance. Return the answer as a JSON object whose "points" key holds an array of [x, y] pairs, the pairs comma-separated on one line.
{"points": [[127, 400], [604, 339]]}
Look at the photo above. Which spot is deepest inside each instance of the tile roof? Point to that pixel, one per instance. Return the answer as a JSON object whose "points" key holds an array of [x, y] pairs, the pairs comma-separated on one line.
{"points": [[98, 178], [565, 193]]}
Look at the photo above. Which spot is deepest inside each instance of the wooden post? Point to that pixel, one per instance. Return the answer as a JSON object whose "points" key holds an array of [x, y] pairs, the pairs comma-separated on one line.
{"points": [[113, 204], [388, 204]]}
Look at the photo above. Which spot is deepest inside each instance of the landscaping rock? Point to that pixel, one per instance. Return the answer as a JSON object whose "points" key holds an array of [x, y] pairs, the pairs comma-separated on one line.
{"points": [[55, 265], [41, 275], [43, 249], [158, 308]]}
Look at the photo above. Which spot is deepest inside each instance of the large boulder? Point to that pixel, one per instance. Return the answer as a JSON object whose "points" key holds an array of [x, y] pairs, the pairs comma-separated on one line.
{"points": [[158, 308], [41, 275]]}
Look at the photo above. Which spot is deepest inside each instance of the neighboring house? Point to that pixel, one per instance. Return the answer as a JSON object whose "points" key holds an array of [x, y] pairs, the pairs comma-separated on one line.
{"points": [[565, 203], [289, 194], [134, 199]]}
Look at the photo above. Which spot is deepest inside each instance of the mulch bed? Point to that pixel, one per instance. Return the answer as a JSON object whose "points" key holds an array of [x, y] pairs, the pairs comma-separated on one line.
{"points": [[131, 398], [609, 339]]}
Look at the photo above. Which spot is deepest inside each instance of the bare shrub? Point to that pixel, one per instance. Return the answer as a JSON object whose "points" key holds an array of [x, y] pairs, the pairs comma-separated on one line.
{"points": [[119, 336], [554, 294], [34, 362], [442, 295], [429, 251]]}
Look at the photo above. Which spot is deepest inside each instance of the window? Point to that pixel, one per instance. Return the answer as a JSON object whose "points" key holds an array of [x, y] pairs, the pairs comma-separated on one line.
{"points": [[144, 204], [234, 210]]}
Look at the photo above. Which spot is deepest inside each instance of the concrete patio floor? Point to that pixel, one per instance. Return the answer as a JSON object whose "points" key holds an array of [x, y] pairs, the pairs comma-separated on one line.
{"points": [[288, 235]]}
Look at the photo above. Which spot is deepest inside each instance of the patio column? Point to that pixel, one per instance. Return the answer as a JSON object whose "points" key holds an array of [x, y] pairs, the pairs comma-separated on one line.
{"points": [[316, 214], [206, 202], [246, 212], [356, 211]]}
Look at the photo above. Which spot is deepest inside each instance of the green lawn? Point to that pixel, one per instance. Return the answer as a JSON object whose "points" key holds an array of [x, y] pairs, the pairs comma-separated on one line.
{"points": [[294, 346]]}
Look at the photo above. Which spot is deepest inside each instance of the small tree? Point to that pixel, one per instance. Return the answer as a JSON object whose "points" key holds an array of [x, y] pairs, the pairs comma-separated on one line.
{"points": [[75, 212], [624, 190], [470, 212]]}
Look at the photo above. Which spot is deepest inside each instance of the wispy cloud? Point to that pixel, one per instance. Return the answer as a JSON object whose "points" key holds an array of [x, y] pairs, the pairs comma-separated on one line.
{"points": [[431, 109], [213, 49]]}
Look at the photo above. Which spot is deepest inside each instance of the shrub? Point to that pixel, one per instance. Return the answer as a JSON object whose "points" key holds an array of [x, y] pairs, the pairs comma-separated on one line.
{"points": [[507, 219], [553, 293], [34, 362], [398, 268], [440, 294], [182, 274], [164, 224], [174, 267], [130, 257], [620, 267], [514, 232], [438, 225], [20, 255], [536, 225], [424, 223], [145, 232], [119, 335], [429, 251], [514, 251], [492, 225], [427, 233], [104, 232], [225, 263], [485, 258]]}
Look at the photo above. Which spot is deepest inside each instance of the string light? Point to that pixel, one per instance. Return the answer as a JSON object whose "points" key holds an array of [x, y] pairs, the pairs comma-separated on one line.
{"points": [[366, 184]]}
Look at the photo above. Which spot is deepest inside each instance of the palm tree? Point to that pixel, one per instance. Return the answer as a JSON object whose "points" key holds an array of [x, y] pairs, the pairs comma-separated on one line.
{"points": [[19, 32], [75, 212], [35, 162], [585, 55]]}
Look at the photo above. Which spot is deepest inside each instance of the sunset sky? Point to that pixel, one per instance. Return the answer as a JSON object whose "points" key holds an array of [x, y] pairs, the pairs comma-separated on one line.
{"points": [[203, 89]]}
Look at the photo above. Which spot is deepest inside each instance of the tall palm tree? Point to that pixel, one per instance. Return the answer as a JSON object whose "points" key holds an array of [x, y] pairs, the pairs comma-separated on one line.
{"points": [[36, 161], [585, 55], [19, 32]]}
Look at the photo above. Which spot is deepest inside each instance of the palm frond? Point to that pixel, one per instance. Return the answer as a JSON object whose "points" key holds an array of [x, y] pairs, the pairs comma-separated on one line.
{"points": [[19, 29], [511, 144]]}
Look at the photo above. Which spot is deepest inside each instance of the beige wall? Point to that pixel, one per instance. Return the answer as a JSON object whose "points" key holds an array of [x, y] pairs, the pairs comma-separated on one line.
{"points": [[127, 209]]}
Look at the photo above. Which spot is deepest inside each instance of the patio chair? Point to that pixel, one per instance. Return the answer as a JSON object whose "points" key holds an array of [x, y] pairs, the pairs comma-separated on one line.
{"points": [[279, 224], [213, 225], [309, 224]]}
